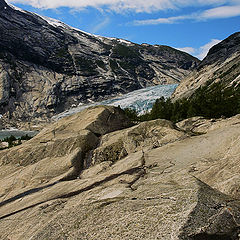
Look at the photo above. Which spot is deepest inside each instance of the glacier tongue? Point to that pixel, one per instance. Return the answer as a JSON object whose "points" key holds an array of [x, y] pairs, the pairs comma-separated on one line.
{"points": [[141, 100]]}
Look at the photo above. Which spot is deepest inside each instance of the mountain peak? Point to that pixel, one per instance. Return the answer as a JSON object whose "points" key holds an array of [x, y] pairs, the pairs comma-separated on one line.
{"points": [[223, 50], [64, 67], [220, 66]]}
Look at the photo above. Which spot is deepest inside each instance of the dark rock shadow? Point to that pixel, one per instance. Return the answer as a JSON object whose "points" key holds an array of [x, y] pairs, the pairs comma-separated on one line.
{"points": [[26, 193], [216, 216]]}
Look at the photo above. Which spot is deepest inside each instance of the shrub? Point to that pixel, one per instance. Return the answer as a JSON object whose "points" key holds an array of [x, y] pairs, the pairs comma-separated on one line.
{"points": [[25, 137], [13, 141]]}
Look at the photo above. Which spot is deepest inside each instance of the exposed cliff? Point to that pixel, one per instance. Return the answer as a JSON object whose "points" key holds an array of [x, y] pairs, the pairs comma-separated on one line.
{"points": [[221, 65], [47, 67]]}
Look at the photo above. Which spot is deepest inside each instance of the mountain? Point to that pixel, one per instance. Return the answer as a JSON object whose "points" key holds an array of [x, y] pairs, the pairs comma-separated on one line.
{"points": [[79, 179], [46, 66], [221, 65]]}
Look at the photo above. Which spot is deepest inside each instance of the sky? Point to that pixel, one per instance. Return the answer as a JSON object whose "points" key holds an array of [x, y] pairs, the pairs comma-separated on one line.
{"points": [[193, 26]]}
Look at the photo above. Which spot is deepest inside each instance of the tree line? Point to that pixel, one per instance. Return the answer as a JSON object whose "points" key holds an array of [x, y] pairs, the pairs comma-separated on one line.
{"points": [[209, 101]]}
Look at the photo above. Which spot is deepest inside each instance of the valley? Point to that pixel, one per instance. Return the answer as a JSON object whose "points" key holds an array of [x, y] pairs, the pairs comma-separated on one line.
{"points": [[165, 168]]}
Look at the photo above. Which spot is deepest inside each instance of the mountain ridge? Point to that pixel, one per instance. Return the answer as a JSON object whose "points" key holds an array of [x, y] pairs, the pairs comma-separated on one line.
{"points": [[221, 65], [45, 69], [223, 50]]}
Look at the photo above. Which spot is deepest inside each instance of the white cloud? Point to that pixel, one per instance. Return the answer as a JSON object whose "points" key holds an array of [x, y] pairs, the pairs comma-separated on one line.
{"points": [[121, 5], [101, 25], [115, 5], [169, 20], [221, 12], [201, 52], [189, 50], [213, 13]]}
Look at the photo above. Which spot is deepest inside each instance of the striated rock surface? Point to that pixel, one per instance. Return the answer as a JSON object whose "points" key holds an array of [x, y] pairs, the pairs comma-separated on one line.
{"points": [[150, 181], [142, 137], [222, 64], [202, 125], [61, 148], [47, 67]]}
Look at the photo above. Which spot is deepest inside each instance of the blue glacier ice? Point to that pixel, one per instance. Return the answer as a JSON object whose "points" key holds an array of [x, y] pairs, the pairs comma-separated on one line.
{"points": [[141, 100]]}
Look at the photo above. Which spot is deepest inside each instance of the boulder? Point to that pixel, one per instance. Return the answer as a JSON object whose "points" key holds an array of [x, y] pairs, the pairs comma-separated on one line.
{"points": [[60, 151], [142, 137], [200, 125]]}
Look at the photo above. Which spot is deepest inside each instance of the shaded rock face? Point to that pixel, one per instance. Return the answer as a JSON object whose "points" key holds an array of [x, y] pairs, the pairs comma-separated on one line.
{"points": [[218, 215], [167, 183], [142, 137], [68, 143], [222, 64], [3, 4], [223, 50], [47, 67]]}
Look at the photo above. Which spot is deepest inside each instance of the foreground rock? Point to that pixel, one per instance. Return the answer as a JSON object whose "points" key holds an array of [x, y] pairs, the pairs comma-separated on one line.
{"points": [[199, 125], [142, 137], [59, 151], [150, 181]]}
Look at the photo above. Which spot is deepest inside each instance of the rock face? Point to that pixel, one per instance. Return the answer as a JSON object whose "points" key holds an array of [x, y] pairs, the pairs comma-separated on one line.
{"points": [[66, 144], [47, 67], [222, 64], [85, 180], [142, 137]]}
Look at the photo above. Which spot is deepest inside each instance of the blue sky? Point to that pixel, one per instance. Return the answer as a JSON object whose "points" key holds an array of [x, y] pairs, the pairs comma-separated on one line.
{"points": [[190, 25]]}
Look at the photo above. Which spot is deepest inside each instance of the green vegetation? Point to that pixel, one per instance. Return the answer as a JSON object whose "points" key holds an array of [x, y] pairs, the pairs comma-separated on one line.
{"points": [[62, 52], [128, 65], [113, 65], [86, 66], [101, 64], [124, 51], [13, 141], [132, 114], [210, 101]]}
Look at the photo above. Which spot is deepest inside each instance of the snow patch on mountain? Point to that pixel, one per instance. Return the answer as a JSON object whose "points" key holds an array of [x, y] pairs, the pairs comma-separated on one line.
{"points": [[57, 23]]}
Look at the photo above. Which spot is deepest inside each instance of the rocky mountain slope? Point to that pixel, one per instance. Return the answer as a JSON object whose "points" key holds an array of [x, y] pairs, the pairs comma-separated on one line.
{"points": [[47, 67], [81, 179], [221, 65]]}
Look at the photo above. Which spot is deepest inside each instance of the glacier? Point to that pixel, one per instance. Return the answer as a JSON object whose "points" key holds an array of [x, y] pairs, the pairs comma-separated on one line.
{"points": [[141, 100]]}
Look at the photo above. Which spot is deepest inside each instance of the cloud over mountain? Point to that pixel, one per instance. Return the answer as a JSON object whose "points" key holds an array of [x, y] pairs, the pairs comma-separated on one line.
{"points": [[122, 5], [212, 13], [202, 51]]}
